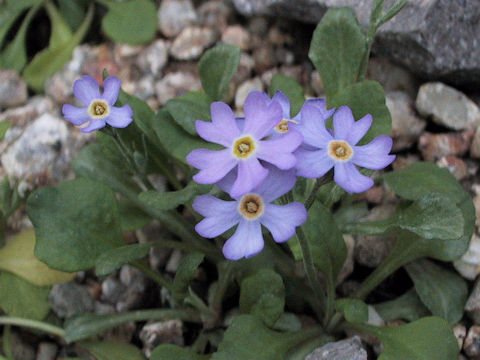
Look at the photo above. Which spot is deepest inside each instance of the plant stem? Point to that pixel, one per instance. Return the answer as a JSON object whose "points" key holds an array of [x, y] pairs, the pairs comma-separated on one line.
{"points": [[152, 274], [223, 282], [32, 324], [330, 301], [318, 184]]}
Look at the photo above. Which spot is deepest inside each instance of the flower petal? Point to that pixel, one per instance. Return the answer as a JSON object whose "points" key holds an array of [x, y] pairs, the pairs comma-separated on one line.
{"points": [[278, 151], [343, 121], [120, 117], [247, 241], [86, 89], [374, 155], [281, 220], [77, 116], [349, 178], [313, 164], [284, 102], [213, 165], [276, 184], [220, 215], [313, 127], [227, 181], [95, 124], [223, 129], [261, 114], [320, 104], [250, 174], [359, 129], [111, 88]]}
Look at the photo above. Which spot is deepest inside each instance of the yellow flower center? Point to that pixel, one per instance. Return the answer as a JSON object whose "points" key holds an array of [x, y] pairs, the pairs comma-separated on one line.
{"points": [[244, 147], [98, 109], [251, 206], [283, 126], [340, 150]]}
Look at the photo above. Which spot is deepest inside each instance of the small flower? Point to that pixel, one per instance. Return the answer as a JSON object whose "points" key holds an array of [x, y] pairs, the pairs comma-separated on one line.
{"points": [[99, 109], [243, 148], [249, 212], [338, 149]]}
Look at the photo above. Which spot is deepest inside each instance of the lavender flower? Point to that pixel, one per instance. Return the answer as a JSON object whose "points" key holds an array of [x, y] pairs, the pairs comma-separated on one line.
{"points": [[99, 109], [249, 212], [243, 148], [338, 149]]}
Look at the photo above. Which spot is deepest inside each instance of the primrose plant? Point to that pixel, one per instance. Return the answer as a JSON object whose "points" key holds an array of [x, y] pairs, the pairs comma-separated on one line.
{"points": [[251, 197]]}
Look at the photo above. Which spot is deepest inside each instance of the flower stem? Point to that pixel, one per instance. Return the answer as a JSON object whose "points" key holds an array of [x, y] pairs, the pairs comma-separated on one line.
{"points": [[32, 324], [318, 184], [152, 274]]}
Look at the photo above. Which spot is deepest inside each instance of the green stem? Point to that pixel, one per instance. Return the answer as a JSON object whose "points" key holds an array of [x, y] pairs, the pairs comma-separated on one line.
{"points": [[152, 274], [32, 324], [7, 349], [223, 282], [330, 301], [318, 184], [334, 322], [296, 338]]}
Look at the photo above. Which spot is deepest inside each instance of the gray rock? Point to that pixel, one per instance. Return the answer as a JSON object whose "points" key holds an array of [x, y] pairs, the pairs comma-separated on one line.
{"points": [[475, 148], [447, 106], [460, 332], [370, 251], [192, 41], [392, 77], [472, 306], [238, 36], [175, 84], [471, 345], [21, 116], [163, 332], [350, 349], [136, 289], [435, 38], [174, 16], [70, 299], [435, 146], [455, 165], [13, 90], [244, 89], [46, 351], [215, 13], [21, 350], [174, 261], [406, 126], [112, 290], [153, 59]]}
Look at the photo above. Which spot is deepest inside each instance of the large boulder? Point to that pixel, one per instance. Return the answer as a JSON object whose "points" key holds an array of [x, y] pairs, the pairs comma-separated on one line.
{"points": [[437, 39]]}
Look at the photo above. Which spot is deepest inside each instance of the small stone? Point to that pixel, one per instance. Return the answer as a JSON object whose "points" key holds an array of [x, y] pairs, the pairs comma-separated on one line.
{"points": [[101, 308], [350, 349], [392, 77], [402, 161], [472, 306], [236, 35], [374, 195], [371, 251], [279, 38], [112, 290], [153, 59], [136, 289], [317, 83], [23, 115], [455, 165], [13, 90], [192, 41], [460, 333], [175, 84], [174, 16], [264, 57], [122, 333], [244, 70], [469, 264], [435, 146], [174, 261], [215, 14], [245, 88], [348, 264], [70, 299], [406, 126], [21, 350], [447, 106], [163, 332], [471, 345], [46, 351], [475, 148]]}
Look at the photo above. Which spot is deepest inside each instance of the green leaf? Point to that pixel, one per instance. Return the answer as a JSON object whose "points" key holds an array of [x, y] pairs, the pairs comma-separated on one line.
{"points": [[263, 295], [170, 352], [47, 62], [132, 218], [186, 272], [60, 32], [4, 126], [442, 291], [425, 339], [17, 257], [175, 141], [290, 87], [188, 108], [75, 222], [407, 307], [172, 199], [354, 310], [337, 48], [217, 67], [132, 22], [72, 11], [364, 98], [109, 350], [10, 10], [23, 299], [113, 259]]}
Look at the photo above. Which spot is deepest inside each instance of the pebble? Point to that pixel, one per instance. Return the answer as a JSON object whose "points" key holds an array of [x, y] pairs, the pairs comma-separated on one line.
{"points": [[393, 78], [112, 290], [370, 251], [174, 261], [447, 106], [13, 90], [455, 165], [460, 332], [350, 349], [21, 116], [471, 345], [237, 36], [406, 126], [402, 161], [215, 13], [162, 332], [435, 146], [154, 58], [264, 57], [136, 289], [317, 83], [46, 351], [192, 41], [475, 148], [472, 306], [245, 88], [175, 84], [174, 16], [348, 264], [70, 299], [21, 350]]}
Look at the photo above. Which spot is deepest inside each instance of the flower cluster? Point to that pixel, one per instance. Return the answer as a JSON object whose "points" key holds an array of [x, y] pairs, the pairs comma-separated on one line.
{"points": [[262, 155]]}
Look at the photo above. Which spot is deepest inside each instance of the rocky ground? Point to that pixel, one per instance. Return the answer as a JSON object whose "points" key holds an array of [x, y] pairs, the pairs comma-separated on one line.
{"points": [[432, 120]]}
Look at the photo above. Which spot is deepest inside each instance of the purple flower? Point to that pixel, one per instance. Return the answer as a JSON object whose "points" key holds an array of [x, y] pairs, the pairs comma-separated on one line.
{"points": [[338, 149], [99, 109], [249, 212], [243, 148]]}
